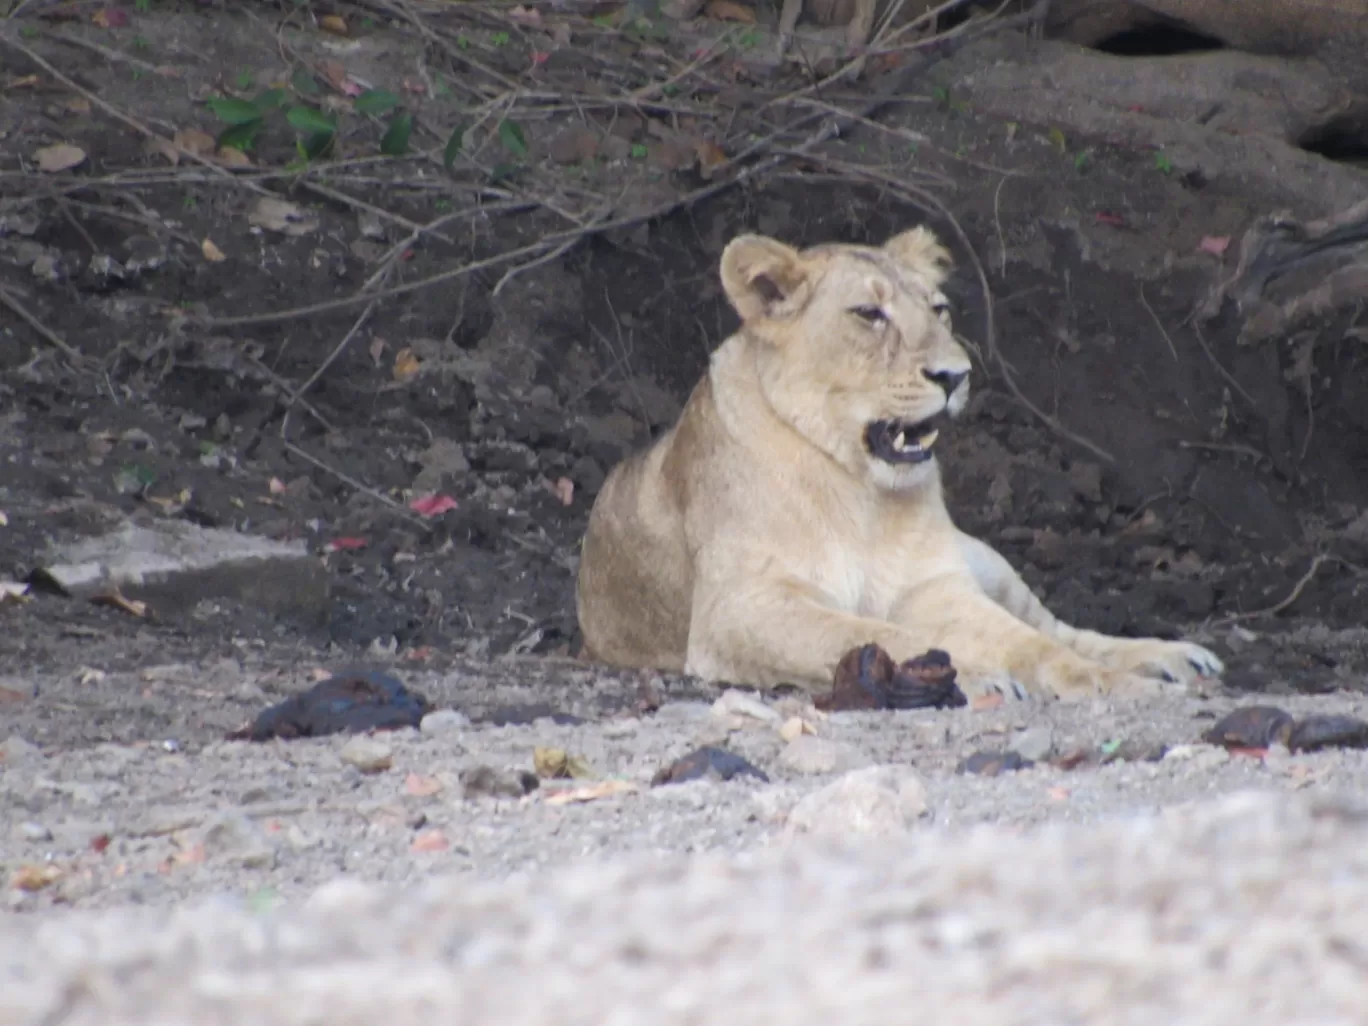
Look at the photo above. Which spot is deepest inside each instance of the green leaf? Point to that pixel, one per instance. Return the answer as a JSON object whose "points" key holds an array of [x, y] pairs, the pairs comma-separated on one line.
{"points": [[396, 140], [376, 101], [512, 137], [638, 151], [232, 111], [316, 144], [240, 137], [270, 99], [304, 83], [309, 119], [453, 146]]}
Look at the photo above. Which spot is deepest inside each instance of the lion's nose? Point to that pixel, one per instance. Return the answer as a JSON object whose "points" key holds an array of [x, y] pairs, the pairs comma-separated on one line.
{"points": [[947, 380]]}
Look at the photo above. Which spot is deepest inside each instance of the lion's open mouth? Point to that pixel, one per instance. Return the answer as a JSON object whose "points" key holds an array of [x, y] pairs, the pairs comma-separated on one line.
{"points": [[902, 441]]}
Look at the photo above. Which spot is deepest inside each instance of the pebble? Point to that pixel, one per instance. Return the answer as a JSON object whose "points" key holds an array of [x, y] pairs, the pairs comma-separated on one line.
{"points": [[14, 750], [33, 832], [367, 754], [1034, 743], [879, 801], [234, 837], [1202, 757], [794, 727], [809, 754], [444, 721], [739, 703]]}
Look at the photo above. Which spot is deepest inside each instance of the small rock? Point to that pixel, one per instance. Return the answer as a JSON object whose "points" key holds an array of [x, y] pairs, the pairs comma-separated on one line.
{"points": [[707, 762], [879, 801], [1331, 731], [1252, 726], [990, 764], [739, 703], [15, 750], [444, 721], [867, 678], [811, 755], [1202, 757], [625, 727], [32, 832], [349, 701], [367, 754], [234, 837], [1034, 743], [488, 782], [793, 728]]}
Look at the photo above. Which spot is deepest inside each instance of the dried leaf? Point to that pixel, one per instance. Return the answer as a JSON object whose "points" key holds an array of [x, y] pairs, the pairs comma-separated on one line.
{"points": [[1216, 245], [99, 843], [406, 365], [117, 600], [557, 763], [231, 156], [59, 157], [421, 787], [430, 840], [335, 74], [346, 544], [280, 215], [110, 17], [13, 591], [525, 16], [377, 349], [432, 505], [334, 23], [710, 157], [164, 148], [986, 702], [34, 878], [211, 252], [593, 792], [729, 10], [201, 144], [87, 675], [276, 486], [564, 489]]}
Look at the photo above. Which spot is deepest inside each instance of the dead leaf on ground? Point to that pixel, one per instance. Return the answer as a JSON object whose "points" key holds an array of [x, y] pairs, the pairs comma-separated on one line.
{"points": [[377, 349], [88, 675], [34, 878], [9, 696], [116, 599], [406, 365], [211, 252], [563, 489], [1216, 245], [13, 591], [24, 82], [593, 792], [110, 17], [195, 141], [710, 157], [729, 10], [280, 215], [430, 840], [334, 23], [231, 156], [525, 16], [986, 702], [58, 157], [420, 786], [557, 764]]}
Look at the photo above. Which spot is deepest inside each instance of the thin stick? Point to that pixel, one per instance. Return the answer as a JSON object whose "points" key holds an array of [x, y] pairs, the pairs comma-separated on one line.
{"points": [[1292, 597], [1158, 323], [42, 329]]}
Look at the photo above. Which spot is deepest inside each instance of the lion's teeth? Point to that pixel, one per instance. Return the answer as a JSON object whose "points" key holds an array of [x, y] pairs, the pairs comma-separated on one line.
{"points": [[900, 440], [929, 439]]}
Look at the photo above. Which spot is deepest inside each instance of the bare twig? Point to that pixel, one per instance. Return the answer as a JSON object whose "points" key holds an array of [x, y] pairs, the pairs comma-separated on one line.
{"points": [[1158, 323], [1273, 610], [7, 299]]}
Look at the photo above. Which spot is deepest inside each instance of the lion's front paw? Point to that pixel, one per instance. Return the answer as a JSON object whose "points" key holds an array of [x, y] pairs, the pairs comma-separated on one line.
{"points": [[1177, 662], [1065, 676]]}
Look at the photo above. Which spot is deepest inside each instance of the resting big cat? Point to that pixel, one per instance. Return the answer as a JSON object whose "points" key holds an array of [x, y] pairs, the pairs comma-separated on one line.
{"points": [[795, 510]]}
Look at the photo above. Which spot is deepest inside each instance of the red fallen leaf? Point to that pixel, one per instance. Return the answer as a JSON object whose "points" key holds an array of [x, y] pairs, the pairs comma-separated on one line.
{"points": [[1058, 794], [413, 86], [417, 655], [1214, 244], [432, 505], [430, 840], [1135, 108], [338, 544], [110, 17], [421, 787], [986, 702], [1249, 753], [540, 57], [99, 843], [1115, 220]]}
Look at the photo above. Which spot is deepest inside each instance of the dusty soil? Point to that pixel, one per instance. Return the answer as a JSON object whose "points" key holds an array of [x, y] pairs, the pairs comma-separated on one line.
{"points": [[1188, 484]]}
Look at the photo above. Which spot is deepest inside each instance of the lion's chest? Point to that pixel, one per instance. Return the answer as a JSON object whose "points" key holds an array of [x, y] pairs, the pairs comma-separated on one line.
{"points": [[868, 574]]}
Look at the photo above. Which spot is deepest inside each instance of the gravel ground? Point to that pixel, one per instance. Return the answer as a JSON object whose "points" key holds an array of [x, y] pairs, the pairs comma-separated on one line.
{"points": [[296, 882]]}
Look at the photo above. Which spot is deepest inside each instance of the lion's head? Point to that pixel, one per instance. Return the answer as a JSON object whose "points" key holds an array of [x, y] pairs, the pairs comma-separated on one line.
{"points": [[854, 346]]}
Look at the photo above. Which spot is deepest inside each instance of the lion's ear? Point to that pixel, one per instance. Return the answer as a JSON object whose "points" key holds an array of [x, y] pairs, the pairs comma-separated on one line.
{"points": [[922, 251], [761, 275]]}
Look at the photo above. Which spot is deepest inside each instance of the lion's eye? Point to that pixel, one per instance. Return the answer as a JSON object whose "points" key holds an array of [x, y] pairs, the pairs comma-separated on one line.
{"points": [[869, 314]]}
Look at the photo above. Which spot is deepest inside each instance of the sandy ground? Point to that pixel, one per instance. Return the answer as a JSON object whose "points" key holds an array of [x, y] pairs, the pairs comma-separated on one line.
{"points": [[289, 885]]}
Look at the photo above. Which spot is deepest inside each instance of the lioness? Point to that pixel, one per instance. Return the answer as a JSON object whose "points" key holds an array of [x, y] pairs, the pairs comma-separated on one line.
{"points": [[795, 510]]}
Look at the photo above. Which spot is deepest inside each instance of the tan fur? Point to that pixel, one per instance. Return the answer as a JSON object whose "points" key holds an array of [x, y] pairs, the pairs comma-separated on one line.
{"points": [[759, 540]]}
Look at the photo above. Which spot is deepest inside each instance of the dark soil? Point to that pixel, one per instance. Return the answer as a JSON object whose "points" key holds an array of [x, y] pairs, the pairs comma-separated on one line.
{"points": [[1212, 506]]}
